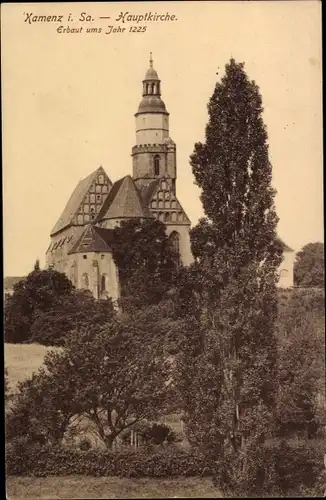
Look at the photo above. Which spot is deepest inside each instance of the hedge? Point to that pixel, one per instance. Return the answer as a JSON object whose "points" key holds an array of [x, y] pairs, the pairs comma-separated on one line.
{"points": [[58, 462], [296, 466]]}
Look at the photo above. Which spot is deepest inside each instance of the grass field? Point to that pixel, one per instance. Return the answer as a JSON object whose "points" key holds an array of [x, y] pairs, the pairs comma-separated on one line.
{"points": [[22, 360], [104, 487]]}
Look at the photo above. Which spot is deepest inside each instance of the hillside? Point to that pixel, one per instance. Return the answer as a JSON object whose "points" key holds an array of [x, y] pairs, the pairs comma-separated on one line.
{"points": [[22, 360]]}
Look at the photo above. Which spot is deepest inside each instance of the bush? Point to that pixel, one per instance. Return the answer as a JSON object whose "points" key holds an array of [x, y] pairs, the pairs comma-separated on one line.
{"points": [[56, 461], [280, 468]]}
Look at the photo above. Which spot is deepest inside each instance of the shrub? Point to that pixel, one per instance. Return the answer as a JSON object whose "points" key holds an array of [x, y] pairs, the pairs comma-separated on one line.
{"points": [[56, 461]]}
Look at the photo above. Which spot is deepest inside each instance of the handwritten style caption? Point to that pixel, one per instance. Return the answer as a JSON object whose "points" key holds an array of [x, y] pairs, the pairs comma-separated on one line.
{"points": [[125, 22]]}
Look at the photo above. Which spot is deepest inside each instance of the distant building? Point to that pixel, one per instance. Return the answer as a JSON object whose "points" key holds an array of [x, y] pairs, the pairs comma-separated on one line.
{"points": [[82, 237], [9, 283]]}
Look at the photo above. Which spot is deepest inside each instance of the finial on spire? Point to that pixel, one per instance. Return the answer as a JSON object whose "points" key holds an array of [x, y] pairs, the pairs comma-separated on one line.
{"points": [[150, 60]]}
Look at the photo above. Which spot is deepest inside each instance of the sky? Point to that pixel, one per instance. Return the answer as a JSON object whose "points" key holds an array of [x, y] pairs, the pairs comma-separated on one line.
{"points": [[69, 101]]}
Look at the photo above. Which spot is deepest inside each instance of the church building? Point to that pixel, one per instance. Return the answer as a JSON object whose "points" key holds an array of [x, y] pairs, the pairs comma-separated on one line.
{"points": [[81, 239]]}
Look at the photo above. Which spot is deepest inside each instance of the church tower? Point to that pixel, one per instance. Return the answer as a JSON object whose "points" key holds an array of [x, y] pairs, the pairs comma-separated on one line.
{"points": [[154, 155]]}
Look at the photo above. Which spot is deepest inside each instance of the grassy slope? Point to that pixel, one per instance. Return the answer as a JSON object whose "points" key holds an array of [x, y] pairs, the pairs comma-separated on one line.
{"points": [[22, 360], [88, 487]]}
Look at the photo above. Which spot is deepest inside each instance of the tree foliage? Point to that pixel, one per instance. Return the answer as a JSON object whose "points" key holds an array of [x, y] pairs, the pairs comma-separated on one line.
{"points": [[309, 266], [71, 312], [45, 307], [301, 364], [38, 292], [114, 377], [228, 364], [145, 260]]}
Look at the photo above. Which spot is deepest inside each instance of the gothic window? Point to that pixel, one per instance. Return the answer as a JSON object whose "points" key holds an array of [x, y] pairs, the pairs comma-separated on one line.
{"points": [[156, 165], [104, 189], [92, 198], [174, 204], [174, 216], [154, 204], [85, 281], [86, 217], [92, 188], [103, 283], [101, 179], [161, 204], [80, 219], [161, 217], [86, 209], [160, 195], [98, 188], [167, 204], [175, 241], [163, 185], [73, 274]]}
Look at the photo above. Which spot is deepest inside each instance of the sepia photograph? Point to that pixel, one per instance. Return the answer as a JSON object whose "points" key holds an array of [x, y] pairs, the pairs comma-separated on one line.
{"points": [[164, 302]]}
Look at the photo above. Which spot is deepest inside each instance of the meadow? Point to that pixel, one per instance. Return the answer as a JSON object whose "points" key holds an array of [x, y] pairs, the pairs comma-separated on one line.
{"points": [[108, 487]]}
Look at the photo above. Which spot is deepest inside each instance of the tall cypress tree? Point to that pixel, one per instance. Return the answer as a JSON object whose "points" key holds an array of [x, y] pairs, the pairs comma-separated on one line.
{"points": [[228, 384]]}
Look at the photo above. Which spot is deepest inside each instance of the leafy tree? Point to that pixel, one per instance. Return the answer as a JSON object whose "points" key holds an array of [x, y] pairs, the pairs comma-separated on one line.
{"points": [[146, 262], [301, 364], [70, 312], [227, 369], [309, 266], [114, 376], [39, 291]]}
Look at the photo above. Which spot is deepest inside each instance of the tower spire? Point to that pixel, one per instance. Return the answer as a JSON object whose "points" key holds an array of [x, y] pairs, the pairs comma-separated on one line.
{"points": [[150, 60]]}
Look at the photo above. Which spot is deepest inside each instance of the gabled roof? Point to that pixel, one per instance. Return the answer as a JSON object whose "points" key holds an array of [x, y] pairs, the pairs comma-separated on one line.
{"points": [[147, 190], [93, 239], [285, 247], [123, 201], [75, 200]]}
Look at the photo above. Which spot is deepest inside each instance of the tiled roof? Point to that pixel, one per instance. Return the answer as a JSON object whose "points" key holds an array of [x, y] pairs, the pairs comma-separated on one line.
{"points": [[123, 201], [93, 239], [147, 191], [74, 201]]}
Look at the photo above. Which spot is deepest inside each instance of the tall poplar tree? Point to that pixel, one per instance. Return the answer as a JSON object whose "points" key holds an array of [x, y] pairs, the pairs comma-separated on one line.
{"points": [[228, 383]]}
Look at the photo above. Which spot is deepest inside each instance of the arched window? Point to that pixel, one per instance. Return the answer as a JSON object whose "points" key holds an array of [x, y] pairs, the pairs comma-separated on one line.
{"points": [[104, 280], [154, 204], [161, 204], [163, 186], [92, 198], [156, 165], [86, 208], [175, 241], [85, 281], [80, 219], [73, 274], [104, 189], [101, 178]]}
